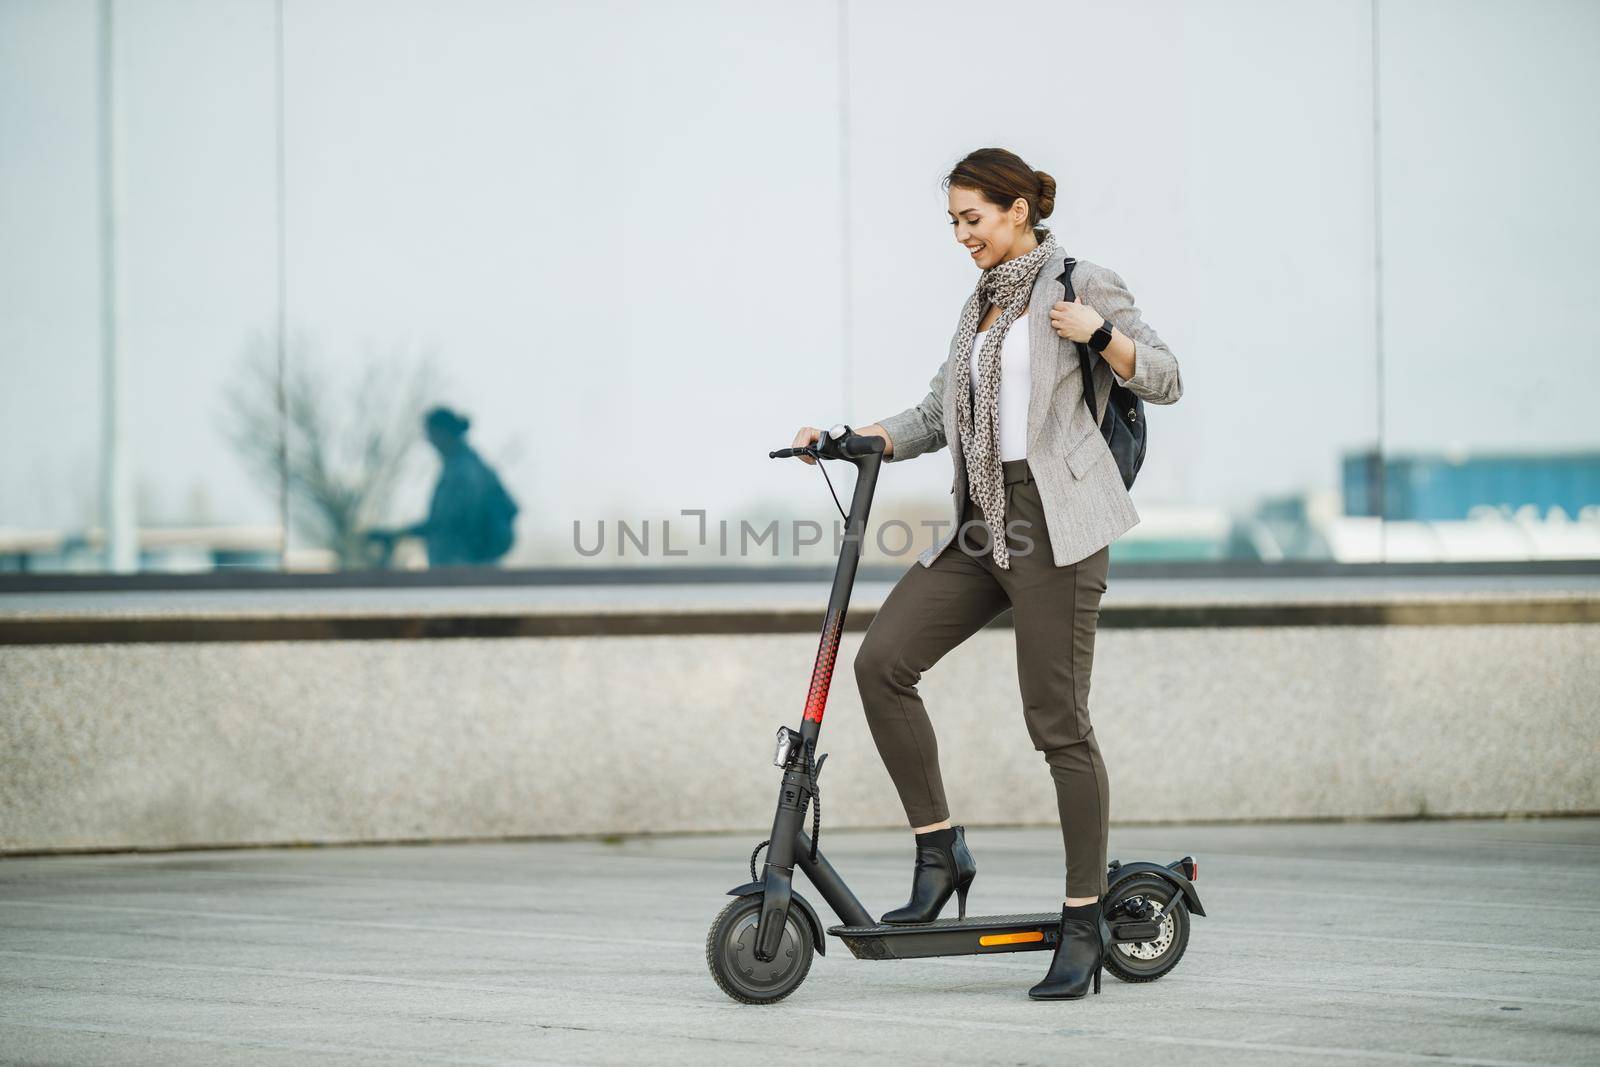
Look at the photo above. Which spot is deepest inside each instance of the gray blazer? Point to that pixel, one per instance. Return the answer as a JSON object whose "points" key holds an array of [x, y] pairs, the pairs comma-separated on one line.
{"points": [[1086, 506]]}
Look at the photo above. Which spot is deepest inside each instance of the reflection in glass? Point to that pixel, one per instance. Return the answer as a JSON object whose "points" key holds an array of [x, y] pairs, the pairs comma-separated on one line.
{"points": [[471, 519]]}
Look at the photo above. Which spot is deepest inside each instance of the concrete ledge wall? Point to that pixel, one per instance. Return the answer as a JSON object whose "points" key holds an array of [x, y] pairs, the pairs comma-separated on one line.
{"points": [[160, 745]]}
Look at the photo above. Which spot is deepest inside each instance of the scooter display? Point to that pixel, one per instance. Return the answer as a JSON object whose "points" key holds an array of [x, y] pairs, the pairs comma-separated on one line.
{"points": [[760, 947]]}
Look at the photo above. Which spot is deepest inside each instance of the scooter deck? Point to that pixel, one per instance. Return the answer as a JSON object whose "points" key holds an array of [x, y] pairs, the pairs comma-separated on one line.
{"points": [[975, 936], [972, 936]]}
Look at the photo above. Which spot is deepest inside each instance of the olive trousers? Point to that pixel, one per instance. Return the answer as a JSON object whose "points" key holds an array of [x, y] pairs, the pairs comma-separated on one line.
{"points": [[1054, 611]]}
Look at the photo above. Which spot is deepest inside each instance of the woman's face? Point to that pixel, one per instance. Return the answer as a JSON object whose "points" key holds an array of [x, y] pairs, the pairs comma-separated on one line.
{"points": [[990, 235]]}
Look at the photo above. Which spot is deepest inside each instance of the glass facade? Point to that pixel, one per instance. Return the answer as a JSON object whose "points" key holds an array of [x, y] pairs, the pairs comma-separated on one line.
{"points": [[369, 285]]}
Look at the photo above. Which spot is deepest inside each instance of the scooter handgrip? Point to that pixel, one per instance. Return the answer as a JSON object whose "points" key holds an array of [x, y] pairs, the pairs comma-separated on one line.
{"points": [[863, 444]]}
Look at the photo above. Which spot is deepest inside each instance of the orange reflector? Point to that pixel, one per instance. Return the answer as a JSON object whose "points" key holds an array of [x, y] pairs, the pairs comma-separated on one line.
{"points": [[1011, 939]]}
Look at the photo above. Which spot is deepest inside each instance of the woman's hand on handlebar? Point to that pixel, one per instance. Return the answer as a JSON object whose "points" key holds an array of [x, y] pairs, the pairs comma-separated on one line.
{"points": [[808, 435]]}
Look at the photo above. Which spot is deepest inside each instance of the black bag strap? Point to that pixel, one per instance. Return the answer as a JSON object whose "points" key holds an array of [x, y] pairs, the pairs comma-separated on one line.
{"points": [[1084, 368]]}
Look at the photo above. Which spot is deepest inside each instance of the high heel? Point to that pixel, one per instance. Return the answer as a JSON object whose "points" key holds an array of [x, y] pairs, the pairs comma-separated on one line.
{"points": [[939, 872], [1080, 952]]}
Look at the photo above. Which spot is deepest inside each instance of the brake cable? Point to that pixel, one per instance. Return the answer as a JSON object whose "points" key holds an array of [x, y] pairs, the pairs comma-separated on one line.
{"points": [[821, 467], [816, 797]]}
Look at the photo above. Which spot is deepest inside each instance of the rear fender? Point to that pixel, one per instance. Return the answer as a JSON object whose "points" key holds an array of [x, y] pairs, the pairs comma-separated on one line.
{"points": [[1183, 885]]}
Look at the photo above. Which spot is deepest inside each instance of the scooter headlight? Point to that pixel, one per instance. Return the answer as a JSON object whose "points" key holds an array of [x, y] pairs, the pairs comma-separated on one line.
{"points": [[788, 745]]}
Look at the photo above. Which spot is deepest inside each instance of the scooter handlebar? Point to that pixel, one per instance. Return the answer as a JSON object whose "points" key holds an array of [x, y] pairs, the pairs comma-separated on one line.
{"points": [[838, 443]]}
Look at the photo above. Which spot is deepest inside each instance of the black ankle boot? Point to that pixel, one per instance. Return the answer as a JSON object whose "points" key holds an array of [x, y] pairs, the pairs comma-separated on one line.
{"points": [[1078, 956], [940, 871]]}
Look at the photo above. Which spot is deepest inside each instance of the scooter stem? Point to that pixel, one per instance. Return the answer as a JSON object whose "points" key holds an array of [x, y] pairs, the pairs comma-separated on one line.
{"points": [[795, 793]]}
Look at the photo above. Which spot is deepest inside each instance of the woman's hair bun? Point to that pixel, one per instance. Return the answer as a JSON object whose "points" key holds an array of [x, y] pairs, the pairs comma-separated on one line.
{"points": [[1002, 177], [1047, 193]]}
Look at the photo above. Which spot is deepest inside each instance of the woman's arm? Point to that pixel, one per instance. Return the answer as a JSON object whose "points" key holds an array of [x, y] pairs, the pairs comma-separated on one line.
{"points": [[1137, 356]]}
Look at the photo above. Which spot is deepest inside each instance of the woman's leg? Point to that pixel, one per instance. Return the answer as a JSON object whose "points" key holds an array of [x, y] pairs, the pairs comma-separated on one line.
{"points": [[1083, 801], [1055, 655], [1055, 612], [928, 612]]}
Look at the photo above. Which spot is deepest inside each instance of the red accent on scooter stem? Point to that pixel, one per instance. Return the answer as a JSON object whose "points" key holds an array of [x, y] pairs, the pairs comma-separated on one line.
{"points": [[822, 670]]}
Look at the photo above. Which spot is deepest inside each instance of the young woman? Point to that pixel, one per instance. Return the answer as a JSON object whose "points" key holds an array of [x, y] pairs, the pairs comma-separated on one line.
{"points": [[1030, 462]]}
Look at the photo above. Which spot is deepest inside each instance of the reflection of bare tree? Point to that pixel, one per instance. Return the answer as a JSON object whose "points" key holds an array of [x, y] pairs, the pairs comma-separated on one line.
{"points": [[347, 447]]}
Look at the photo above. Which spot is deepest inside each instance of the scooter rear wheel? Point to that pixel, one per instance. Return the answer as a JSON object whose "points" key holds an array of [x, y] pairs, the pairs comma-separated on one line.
{"points": [[730, 952], [1148, 960]]}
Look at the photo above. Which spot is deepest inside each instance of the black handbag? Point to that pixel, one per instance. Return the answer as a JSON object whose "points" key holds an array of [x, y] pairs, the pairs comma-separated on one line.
{"points": [[1123, 426]]}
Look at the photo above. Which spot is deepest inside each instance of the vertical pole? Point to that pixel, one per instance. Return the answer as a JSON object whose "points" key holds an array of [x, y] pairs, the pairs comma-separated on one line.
{"points": [[117, 500], [1377, 286], [283, 304]]}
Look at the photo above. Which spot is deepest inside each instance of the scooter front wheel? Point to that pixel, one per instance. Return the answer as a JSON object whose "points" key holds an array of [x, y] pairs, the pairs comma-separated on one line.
{"points": [[731, 953]]}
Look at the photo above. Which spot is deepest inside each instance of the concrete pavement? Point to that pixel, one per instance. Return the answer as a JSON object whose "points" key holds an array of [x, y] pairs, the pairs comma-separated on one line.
{"points": [[1457, 942]]}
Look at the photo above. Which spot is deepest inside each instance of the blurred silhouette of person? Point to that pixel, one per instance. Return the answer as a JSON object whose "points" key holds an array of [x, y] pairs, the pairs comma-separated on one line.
{"points": [[470, 519]]}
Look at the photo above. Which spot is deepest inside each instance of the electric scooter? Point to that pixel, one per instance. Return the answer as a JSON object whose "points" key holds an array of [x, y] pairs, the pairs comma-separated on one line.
{"points": [[759, 948]]}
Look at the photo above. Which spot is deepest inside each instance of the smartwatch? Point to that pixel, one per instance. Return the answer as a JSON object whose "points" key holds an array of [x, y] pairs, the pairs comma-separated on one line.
{"points": [[1101, 337]]}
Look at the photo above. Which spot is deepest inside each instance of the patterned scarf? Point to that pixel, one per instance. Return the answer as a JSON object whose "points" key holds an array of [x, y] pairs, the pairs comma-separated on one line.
{"points": [[1008, 286]]}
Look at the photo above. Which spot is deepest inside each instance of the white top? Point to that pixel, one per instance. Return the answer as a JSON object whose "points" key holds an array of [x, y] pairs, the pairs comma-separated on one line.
{"points": [[1015, 385]]}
